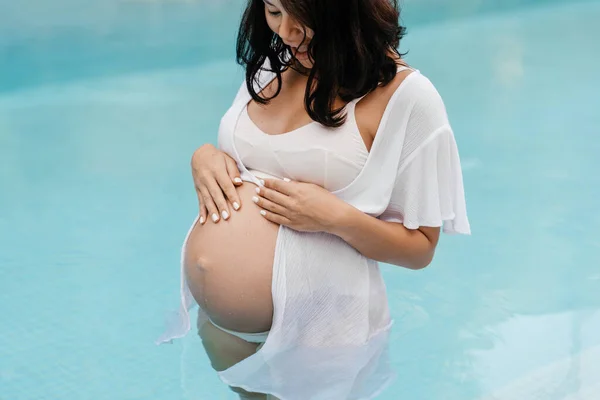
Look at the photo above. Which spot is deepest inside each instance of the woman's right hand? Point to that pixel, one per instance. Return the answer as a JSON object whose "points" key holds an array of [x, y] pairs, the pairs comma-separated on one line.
{"points": [[215, 177]]}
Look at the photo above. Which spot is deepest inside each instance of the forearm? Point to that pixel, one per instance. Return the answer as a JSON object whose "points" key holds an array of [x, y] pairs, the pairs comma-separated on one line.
{"points": [[383, 241]]}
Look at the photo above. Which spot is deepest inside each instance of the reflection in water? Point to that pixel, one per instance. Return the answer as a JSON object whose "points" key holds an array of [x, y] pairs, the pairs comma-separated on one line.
{"points": [[575, 376]]}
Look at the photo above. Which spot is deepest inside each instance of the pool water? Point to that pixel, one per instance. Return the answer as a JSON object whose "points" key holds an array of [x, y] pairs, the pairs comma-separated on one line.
{"points": [[96, 198]]}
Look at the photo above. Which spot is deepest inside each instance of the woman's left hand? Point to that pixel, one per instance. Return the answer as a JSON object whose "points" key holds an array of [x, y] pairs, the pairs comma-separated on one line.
{"points": [[300, 206]]}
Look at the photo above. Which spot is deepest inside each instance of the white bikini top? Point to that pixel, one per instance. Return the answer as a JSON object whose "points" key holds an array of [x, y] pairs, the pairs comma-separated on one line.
{"points": [[329, 157]]}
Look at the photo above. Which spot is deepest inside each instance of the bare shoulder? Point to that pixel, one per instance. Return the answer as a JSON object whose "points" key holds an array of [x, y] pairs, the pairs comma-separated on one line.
{"points": [[369, 111]]}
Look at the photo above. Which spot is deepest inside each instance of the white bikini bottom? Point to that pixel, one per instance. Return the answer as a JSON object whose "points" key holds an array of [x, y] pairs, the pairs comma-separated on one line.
{"points": [[259, 337]]}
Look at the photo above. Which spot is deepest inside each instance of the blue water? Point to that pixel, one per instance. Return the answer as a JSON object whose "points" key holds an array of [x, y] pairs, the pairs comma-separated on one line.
{"points": [[96, 197]]}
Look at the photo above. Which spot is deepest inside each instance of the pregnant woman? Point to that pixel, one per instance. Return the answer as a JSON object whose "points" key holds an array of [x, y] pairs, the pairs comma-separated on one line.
{"points": [[334, 156]]}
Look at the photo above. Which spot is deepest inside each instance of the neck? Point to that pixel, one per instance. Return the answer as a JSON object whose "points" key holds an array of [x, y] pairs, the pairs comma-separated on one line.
{"points": [[299, 68]]}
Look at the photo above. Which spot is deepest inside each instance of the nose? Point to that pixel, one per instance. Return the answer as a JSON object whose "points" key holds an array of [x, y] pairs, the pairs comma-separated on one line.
{"points": [[290, 31]]}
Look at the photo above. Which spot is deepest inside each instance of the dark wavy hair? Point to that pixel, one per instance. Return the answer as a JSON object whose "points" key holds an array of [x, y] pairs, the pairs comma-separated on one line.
{"points": [[350, 49]]}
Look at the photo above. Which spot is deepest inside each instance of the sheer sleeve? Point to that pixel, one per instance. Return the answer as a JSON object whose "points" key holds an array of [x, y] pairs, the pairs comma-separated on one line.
{"points": [[428, 190]]}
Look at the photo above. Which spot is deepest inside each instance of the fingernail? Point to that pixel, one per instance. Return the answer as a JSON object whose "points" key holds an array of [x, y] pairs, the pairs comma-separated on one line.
{"points": [[225, 214], [255, 199], [286, 179], [201, 220], [215, 217], [261, 182], [236, 206], [263, 212], [237, 180], [257, 190]]}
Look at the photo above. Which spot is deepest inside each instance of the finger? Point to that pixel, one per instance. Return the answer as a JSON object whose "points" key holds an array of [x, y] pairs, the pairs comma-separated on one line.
{"points": [[274, 196], [270, 206], [233, 171], [229, 190], [218, 198], [279, 185], [208, 202], [203, 213], [201, 208], [275, 218]]}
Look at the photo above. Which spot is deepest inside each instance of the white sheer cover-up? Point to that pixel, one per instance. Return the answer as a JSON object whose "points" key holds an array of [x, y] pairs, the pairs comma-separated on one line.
{"points": [[331, 319]]}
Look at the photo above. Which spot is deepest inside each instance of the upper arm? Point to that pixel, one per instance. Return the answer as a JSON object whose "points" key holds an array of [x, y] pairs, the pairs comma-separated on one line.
{"points": [[240, 91]]}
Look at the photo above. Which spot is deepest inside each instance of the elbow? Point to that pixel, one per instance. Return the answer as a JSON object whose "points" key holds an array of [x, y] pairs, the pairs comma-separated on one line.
{"points": [[424, 257], [419, 265], [421, 262], [422, 250], [427, 258]]}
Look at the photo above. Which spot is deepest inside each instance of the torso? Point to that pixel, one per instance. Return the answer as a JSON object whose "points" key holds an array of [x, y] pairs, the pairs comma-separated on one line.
{"points": [[229, 264]]}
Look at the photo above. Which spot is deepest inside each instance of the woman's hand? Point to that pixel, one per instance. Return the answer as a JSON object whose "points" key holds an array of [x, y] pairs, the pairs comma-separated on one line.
{"points": [[215, 177], [300, 206]]}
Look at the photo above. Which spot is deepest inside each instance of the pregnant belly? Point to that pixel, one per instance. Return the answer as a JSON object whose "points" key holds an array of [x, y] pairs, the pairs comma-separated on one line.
{"points": [[229, 266]]}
